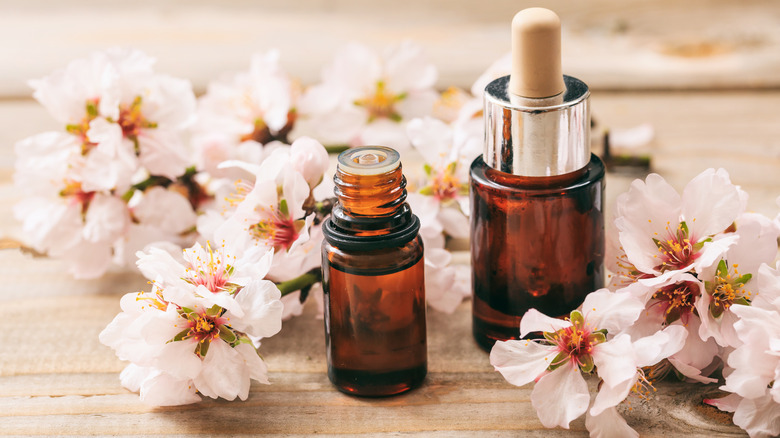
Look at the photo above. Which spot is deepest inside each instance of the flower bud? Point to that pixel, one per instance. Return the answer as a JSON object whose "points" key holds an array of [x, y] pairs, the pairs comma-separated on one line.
{"points": [[309, 158]]}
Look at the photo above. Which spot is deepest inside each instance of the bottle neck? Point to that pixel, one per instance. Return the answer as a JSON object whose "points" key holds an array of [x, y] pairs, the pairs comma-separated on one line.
{"points": [[371, 205]]}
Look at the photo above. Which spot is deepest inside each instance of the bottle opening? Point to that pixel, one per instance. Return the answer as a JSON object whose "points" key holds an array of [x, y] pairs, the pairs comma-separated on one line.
{"points": [[369, 160]]}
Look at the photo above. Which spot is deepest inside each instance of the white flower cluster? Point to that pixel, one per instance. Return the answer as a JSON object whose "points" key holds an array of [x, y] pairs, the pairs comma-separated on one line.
{"points": [[197, 330], [141, 161], [693, 293], [115, 177]]}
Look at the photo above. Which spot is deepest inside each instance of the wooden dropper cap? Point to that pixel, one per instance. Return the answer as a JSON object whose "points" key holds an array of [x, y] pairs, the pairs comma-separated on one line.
{"points": [[536, 54]]}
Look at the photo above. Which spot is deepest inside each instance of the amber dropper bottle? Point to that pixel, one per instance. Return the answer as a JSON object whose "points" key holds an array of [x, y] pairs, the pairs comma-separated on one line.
{"points": [[373, 278], [537, 220]]}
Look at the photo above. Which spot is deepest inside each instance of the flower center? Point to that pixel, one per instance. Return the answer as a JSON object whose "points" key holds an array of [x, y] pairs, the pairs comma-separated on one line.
{"points": [[132, 120], [727, 289], [203, 327], [213, 273], [677, 301], [278, 229], [80, 129], [263, 135], [157, 301], [381, 104], [575, 343], [626, 273], [446, 186], [676, 249], [76, 195], [242, 188]]}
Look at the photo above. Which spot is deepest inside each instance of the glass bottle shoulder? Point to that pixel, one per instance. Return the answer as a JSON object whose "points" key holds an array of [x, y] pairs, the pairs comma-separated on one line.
{"points": [[485, 176], [373, 260]]}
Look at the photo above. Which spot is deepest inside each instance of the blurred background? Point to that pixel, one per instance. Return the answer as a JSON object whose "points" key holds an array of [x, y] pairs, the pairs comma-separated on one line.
{"points": [[704, 74], [611, 44]]}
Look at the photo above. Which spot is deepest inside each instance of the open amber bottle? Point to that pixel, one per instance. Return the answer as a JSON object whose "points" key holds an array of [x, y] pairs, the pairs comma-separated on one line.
{"points": [[373, 279], [537, 218]]}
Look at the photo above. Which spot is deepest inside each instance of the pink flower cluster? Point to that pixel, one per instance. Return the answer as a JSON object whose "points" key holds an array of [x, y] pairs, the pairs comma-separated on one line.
{"points": [[693, 292]]}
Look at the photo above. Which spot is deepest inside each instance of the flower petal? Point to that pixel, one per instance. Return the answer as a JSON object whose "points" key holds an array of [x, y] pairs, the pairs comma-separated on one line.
{"points": [[610, 396], [535, 321], [521, 362], [560, 397], [615, 360], [710, 203], [652, 349], [760, 417], [161, 389], [604, 309], [260, 307], [225, 373], [728, 403], [609, 424]]}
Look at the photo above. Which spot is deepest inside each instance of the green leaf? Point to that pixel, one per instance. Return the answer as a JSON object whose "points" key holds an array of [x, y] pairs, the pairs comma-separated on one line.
{"points": [[203, 348], [186, 310], [283, 207], [246, 340], [741, 300], [559, 360], [723, 269], [597, 338], [744, 279], [227, 335], [658, 243], [180, 335], [92, 110], [452, 167], [215, 310], [684, 228], [428, 191], [586, 363], [576, 318], [715, 310], [428, 169]]}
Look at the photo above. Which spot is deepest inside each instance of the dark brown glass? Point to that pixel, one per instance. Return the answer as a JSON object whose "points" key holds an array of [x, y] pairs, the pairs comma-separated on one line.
{"points": [[536, 242], [375, 331]]}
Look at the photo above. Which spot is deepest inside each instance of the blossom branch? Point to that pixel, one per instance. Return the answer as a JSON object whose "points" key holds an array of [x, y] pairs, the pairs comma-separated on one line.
{"points": [[303, 282]]}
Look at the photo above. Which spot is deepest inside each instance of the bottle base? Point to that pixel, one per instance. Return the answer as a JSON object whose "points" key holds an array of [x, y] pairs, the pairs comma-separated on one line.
{"points": [[371, 384], [487, 334]]}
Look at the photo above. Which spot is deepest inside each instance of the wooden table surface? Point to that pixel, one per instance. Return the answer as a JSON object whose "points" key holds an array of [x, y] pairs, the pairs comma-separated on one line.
{"points": [[57, 379]]}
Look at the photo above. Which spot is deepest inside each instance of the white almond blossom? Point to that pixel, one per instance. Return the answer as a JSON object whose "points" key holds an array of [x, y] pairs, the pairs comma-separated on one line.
{"points": [[366, 98], [587, 340], [661, 232], [199, 326], [276, 210], [569, 348], [755, 364], [732, 281], [89, 190], [242, 112], [124, 115]]}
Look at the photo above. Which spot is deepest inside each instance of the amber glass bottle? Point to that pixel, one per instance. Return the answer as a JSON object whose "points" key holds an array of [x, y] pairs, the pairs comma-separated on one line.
{"points": [[536, 243], [537, 219], [373, 279]]}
